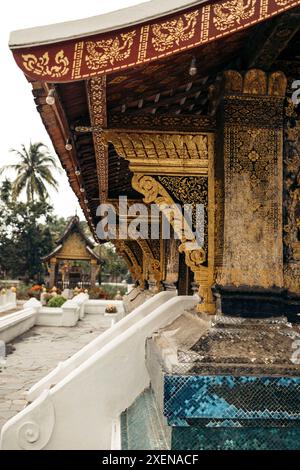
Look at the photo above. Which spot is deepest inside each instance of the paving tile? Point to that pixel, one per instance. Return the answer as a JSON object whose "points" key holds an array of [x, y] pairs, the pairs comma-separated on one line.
{"points": [[36, 353]]}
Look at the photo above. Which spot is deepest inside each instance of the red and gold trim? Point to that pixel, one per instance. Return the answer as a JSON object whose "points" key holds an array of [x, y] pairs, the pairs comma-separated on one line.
{"points": [[105, 53]]}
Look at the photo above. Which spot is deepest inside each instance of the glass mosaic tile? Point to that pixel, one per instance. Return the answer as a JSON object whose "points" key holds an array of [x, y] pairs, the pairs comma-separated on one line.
{"points": [[231, 398], [233, 413], [141, 425]]}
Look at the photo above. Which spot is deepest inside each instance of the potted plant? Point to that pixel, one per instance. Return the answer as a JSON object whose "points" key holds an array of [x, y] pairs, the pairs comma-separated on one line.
{"points": [[111, 309]]}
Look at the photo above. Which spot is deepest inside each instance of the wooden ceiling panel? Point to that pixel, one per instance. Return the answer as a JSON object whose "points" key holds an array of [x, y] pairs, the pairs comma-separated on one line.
{"points": [[160, 86]]}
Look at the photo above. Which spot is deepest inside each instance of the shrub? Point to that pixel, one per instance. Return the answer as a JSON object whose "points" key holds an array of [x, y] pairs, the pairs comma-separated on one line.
{"points": [[47, 297], [23, 291], [112, 290], [56, 301], [97, 293], [36, 288], [107, 292], [35, 291]]}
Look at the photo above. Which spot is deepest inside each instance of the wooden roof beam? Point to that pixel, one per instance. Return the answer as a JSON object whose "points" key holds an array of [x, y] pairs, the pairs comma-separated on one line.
{"points": [[270, 40]]}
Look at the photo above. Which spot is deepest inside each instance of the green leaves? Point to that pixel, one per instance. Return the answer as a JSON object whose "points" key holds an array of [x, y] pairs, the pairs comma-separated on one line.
{"points": [[34, 172], [24, 235]]}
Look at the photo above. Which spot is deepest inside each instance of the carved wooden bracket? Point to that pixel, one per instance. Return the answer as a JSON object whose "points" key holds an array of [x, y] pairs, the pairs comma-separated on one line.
{"points": [[133, 266], [154, 192], [152, 268]]}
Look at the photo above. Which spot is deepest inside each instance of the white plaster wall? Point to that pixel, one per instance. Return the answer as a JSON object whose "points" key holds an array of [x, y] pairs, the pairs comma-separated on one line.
{"points": [[81, 300], [79, 411], [97, 307], [64, 368], [49, 316], [66, 315], [16, 324]]}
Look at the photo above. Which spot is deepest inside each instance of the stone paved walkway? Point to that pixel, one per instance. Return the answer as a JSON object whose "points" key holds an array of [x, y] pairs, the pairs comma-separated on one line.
{"points": [[35, 353]]}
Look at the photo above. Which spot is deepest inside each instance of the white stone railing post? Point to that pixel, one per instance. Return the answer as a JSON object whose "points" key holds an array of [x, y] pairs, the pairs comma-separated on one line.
{"points": [[34, 304], [71, 312], [13, 298], [80, 300]]}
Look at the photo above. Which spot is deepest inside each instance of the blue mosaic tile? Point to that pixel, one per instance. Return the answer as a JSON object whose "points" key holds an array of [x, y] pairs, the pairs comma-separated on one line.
{"points": [[198, 438], [231, 399]]}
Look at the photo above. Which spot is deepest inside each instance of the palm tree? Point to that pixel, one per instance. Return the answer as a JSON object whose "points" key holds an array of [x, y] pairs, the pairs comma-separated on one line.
{"points": [[34, 169]]}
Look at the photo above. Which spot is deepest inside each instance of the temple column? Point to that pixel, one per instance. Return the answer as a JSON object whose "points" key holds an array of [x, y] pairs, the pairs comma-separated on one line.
{"points": [[52, 272], [171, 264], [249, 213], [93, 272]]}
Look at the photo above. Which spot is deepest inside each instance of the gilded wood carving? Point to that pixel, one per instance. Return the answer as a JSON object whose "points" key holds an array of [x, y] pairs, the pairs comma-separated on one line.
{"points": [[291, 234], [163, 152], [154, 192], [253, 131], [97, 106], [135, 268]]}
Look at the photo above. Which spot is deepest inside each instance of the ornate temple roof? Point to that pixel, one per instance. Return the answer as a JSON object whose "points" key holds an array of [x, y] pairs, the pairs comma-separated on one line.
{"points": [[143, 56], [74, 224], [73, 227], [137, 35], [115, 20]]}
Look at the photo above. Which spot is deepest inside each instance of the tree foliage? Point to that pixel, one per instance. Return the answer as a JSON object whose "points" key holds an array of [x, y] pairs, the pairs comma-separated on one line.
{"points": [[112, 264], [28, 232], [34, 171], [25, 235]]}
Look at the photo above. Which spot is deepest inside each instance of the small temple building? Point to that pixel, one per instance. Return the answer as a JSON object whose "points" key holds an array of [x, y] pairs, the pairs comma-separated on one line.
{"points": [[72, 263], [189, 102]]}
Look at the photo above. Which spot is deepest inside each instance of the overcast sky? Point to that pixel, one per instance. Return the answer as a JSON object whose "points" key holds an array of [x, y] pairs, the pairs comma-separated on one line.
{"points": [[20, 120]]}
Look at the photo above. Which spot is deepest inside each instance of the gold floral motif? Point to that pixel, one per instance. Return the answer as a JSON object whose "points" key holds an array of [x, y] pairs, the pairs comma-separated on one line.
{"points": [[252, 206], [102, 53], [40, 65], [97, 106], [162, 122], [232, 12], [174, 32], [251, 145]]}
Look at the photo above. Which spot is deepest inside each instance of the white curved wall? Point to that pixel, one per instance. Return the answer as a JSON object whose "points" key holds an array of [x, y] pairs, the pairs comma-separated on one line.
{"points": [[87, 351], [78, 412]]}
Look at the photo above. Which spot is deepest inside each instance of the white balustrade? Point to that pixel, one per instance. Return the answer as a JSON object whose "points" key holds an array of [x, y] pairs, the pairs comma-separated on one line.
{"points": [[65, 367], [79, 411]]}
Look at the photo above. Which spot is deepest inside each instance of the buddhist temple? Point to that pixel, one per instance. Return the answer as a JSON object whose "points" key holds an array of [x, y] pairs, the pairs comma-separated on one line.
{"points": [[73, 263], [189, 102]]}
